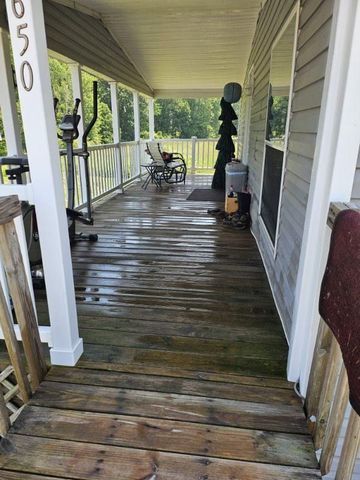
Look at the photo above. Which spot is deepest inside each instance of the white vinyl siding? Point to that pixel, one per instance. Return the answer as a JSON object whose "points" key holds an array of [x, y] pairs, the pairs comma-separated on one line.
{"points": [[313, 41]]}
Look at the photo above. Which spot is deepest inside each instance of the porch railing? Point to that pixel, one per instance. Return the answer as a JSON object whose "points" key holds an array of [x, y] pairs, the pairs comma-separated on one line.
{"points": [[327, 400], [113, 166], [104, 169], [16, 382]]}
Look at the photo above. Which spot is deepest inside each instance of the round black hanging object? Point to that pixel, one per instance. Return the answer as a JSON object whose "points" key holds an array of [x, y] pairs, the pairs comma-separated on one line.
{"points": [[232, 92]]}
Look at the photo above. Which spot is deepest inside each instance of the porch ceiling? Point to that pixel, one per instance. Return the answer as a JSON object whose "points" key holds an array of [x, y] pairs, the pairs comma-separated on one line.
{"points": [[182, 47]]}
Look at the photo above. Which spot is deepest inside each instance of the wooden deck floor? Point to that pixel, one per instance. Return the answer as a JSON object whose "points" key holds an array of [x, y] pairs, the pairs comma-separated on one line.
{"points": [[183, 375]]}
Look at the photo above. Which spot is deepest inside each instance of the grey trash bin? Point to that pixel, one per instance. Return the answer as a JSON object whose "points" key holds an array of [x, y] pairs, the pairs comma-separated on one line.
{"points": [[236, 176]]}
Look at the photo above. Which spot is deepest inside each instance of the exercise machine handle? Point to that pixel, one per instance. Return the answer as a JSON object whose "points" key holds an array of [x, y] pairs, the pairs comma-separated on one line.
{"points": [[94, 118], [76, 106], [55, 103], [75, 112]]}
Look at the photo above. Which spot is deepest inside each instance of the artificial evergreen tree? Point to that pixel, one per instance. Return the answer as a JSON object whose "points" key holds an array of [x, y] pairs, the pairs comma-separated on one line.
{"points": [[225, 145]]}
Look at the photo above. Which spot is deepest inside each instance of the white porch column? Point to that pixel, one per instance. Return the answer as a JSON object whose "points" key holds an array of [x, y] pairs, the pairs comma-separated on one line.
{"points": [[76, 80], [151, 119], [27, 29], [193, 154], [332, 178], [137, 128], [12, 137], [136, 116], [116, 132]]}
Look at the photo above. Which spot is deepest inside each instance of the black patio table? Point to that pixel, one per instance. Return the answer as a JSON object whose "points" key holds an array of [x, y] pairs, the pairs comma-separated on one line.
{"points": [[151, 169]]}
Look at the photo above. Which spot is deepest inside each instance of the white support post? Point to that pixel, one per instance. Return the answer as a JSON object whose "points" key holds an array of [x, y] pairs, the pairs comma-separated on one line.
{"points": [[151, 119], [332, 178], [193, 154], [76, 81], [27, 31], [13, 140], [137, 128], [116, 133]]}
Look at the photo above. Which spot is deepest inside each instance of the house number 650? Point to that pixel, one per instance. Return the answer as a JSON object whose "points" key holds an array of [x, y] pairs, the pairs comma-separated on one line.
{"points": [[26, 72]]}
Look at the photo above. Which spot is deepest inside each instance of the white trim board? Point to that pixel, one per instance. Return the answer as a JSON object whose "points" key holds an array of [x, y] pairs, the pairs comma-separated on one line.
{"points": [[44, 331], [295, 13], [248, 96], [271, 287]]}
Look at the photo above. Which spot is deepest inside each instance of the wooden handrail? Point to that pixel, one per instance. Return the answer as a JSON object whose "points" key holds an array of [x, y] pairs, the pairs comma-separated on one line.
{"points": [[13, 349], [336, 417], [330, 380], [321, 355], [328, 394], [12, 261], [4, 417], [350, 448]]}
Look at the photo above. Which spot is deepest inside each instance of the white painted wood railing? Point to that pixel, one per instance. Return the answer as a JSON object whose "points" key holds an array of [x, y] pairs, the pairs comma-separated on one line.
{"points": [[108, 174], [104, 172], [131, 158]]}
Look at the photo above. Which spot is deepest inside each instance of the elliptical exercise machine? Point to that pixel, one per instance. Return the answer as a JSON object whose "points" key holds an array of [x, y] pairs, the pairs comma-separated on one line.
{"points": [[20, 168], [69, 133]]}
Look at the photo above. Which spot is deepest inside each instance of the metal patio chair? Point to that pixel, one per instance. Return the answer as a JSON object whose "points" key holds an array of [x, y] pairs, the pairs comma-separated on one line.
{"points": [[171, 170]]}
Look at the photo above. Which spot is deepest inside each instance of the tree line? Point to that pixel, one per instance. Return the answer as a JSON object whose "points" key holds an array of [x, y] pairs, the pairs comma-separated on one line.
{"points": [[174, 118]]}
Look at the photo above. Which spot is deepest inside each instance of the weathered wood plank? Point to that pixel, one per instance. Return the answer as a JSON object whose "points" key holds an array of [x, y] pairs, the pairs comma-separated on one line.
{"points": [[11, 258], [169, 436], [202, 388], [56, 457], [4, 416], [340, 402], [113, 357], [327, 393], [248, 331], [13, 349], [318, 368], [10, 208], [7, 475], [202, 346], [350, 448], [280, 418]]}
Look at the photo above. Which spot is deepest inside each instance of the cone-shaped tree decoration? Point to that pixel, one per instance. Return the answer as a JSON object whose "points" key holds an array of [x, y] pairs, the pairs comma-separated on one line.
{"points": [[225, 145]]}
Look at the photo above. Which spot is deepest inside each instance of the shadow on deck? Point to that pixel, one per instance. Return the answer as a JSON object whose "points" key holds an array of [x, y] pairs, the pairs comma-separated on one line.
{"points": [[183, 375]]}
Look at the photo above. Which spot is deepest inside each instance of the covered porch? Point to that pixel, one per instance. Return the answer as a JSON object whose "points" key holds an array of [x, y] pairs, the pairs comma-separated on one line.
{"points": [[179, 348], [184, 367]]}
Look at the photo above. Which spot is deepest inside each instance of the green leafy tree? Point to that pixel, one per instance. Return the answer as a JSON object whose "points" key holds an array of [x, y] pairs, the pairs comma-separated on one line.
{"points": [[185, 118], [126, 113], [171, 115], [61, 87], [2, 138], [279, 115], [178, 118], [144, 117]]}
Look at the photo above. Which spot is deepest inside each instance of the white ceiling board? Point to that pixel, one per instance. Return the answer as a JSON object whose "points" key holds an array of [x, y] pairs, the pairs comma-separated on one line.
{"points": [[79, 37], [182, 44]]}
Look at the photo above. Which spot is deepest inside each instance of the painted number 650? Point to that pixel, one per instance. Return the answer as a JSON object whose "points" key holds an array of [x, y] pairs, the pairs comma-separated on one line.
{"points": [[26, 72]]}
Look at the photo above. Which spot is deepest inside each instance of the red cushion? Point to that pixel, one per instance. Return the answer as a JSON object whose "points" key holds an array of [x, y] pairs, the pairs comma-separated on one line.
{"points": [[340, 295]]}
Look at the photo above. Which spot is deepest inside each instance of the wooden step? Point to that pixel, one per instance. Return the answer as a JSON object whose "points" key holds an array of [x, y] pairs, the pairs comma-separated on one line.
{"points": [[205, 410], [168, 436], [252, 389], [79, 460]]}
